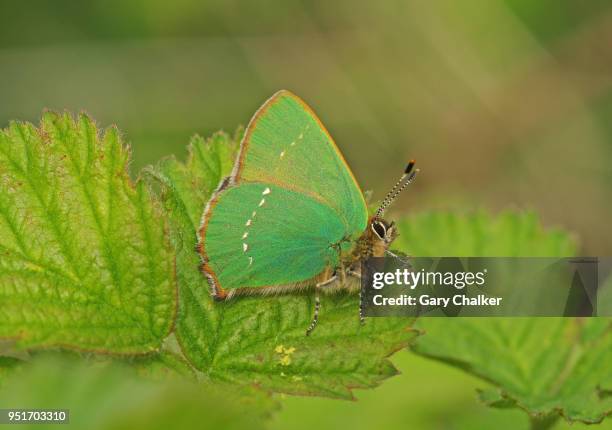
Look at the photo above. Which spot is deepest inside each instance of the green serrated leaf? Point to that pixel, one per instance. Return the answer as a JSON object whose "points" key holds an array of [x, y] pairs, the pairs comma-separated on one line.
{"points": [[546, 366], [85, 261], [543, 365], [261, 340]]}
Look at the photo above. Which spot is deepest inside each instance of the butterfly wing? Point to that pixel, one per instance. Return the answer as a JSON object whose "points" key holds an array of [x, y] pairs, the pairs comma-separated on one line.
{"points": [[287, 144], [252, 241], [289, 198]]}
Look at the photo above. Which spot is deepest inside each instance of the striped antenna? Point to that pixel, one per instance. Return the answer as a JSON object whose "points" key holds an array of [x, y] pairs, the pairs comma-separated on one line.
{"points": [[406, 178]]}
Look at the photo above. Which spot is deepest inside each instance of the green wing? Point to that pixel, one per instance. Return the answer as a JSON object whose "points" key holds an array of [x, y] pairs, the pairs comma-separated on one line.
{"points": [[286, 144], [310, 199], [265, 235]]}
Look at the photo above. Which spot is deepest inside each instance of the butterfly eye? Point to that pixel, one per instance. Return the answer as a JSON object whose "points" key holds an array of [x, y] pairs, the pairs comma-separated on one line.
{"points": [[380, 229]]}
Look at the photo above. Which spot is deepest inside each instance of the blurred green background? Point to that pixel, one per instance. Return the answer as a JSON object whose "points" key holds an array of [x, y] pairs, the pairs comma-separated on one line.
{"points": [[504, 103]]}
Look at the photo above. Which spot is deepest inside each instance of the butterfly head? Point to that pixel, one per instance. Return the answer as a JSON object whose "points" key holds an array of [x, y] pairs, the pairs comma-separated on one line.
{"points": [[378, 237], [381, 233]]}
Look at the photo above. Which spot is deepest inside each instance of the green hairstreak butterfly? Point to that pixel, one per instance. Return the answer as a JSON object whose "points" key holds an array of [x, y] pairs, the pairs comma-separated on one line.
{"points": [[291, 215]]}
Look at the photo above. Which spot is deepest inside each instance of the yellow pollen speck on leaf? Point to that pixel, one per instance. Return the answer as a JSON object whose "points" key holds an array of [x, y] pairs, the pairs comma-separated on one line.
{"points": [[285, 354]]}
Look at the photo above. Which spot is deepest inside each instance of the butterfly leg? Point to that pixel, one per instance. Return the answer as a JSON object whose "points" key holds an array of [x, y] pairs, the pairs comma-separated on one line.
{"points": [[342, 274], [315, 318], [356, 274], [403, 258], [361, 317]]}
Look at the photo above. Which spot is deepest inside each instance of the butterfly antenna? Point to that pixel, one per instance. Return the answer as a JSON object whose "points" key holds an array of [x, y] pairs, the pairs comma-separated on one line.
{"points": [[406, 178]]}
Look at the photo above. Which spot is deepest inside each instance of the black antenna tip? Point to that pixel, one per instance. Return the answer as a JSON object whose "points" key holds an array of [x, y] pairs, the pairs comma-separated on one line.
{"points": [[409, 167]]}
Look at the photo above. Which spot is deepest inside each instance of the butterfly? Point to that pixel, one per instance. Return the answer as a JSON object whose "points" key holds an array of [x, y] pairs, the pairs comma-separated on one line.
{"points": [[291, 215]]}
